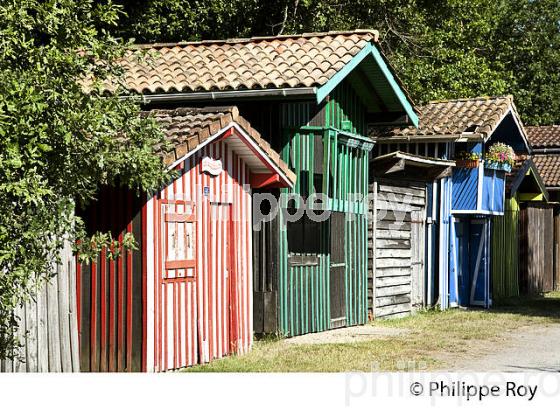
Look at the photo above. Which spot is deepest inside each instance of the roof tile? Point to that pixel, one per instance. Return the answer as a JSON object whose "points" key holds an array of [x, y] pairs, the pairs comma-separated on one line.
{"points": [[544, 136], [453, 117], [186, 128], [303, 60], [549, 169]]}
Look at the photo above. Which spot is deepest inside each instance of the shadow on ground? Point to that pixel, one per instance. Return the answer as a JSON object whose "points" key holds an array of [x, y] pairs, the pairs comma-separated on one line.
{"points": [[538, 306]]}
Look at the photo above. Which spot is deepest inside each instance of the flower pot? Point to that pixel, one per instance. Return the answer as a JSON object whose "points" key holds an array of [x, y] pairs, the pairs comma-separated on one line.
{"points": [[467, 163], [499, 166]]}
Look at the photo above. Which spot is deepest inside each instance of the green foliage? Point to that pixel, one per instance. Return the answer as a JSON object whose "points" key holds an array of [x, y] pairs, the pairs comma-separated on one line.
{"points": [[440, 49], [57, 142]]}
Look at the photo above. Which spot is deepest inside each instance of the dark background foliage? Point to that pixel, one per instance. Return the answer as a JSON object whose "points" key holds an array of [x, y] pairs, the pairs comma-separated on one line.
{"points": [[441, 49]]}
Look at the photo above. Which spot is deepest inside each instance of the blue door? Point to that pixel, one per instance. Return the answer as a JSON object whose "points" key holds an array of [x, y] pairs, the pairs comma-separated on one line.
{"points": [[463, 269], [479, 292]]}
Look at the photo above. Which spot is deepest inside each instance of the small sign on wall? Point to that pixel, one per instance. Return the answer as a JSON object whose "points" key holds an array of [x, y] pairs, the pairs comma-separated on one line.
{"points": [[211, 166]]}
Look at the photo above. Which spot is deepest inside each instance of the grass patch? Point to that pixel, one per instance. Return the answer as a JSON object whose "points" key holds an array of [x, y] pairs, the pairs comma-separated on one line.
{"points": [[432, 335]]}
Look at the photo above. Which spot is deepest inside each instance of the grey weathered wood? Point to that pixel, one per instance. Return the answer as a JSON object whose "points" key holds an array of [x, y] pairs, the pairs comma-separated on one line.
{"points": [[391, 271], [393, 290], [63, 316], [393, 253], [392, 300], [42, 331], [417, 259], [393, 281], [392, 263], [19, 363], [31, 340], [387, 234], [394, 243], [395, 246], [47, 328], [393, 309], [72, 308], [53, 324]]}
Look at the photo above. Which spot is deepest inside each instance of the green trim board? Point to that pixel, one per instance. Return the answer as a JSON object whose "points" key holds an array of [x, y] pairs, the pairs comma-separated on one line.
{"points": [[370, 51]]}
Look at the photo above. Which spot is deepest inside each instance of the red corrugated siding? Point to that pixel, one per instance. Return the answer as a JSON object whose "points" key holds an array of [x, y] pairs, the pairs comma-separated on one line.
{"points": [[106, 289], [207, 314]]}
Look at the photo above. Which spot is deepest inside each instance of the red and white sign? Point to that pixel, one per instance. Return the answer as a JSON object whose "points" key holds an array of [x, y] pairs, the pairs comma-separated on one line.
{"points": [[212, 166]]}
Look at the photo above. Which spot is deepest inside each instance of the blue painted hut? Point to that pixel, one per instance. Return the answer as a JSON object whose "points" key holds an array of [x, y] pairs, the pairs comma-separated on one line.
{"points": [[461, 205]]}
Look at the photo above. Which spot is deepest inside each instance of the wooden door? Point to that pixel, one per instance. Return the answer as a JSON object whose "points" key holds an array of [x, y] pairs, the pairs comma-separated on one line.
{"points": [[223, 286], [178, 332], [337, 270], [417, 258]]}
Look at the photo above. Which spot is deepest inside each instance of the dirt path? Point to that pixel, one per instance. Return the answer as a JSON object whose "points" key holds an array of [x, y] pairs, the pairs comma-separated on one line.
{"points": [[347, 335], [532, 348]]}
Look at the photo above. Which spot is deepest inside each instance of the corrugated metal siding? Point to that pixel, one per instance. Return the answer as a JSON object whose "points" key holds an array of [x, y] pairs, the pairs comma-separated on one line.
{"points": [[110, 290], [465, 188], [505, 245], [206, 315], [345, 111], [304, 291]]}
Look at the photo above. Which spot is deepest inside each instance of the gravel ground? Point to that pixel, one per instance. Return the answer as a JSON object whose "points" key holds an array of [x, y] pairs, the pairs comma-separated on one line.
{"points": [[533, 348], [347, 335]]}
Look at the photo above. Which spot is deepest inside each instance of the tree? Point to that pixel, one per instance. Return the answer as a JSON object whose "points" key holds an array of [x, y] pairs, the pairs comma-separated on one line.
{"points": [[59, 141], [441, 49]]}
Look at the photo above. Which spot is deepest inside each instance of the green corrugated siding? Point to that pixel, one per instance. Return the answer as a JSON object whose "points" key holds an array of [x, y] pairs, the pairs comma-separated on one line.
{"points": [[303, 292], [505, 245]]}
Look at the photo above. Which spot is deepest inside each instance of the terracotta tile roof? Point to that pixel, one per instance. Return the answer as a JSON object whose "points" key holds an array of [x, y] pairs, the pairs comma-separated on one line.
{"points": [[479, 115], [187, 128], [549, 169], [304, 60], [544, 136]]}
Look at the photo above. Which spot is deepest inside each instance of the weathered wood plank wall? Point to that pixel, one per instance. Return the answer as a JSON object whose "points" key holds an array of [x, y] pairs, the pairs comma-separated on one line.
{"points": [[396, 248], [48, 326], [536, 249]]}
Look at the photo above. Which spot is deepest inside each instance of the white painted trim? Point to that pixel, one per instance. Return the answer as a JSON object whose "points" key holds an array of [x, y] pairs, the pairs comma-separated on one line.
{"points": [[470, 212], [456, 256], [480, 183], [150, 312], [247, 138]]}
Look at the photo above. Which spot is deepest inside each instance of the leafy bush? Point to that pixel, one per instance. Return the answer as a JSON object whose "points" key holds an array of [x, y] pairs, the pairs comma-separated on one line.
{"points": [[58, 143]]}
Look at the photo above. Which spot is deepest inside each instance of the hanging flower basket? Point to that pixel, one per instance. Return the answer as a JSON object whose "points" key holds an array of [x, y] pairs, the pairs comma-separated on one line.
{"points": [[466, 159], [500, 157], [500, 166], [467, 163]]}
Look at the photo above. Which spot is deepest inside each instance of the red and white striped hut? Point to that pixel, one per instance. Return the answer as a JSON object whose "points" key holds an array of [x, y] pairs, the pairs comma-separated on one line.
{"points": [[184, 297]]}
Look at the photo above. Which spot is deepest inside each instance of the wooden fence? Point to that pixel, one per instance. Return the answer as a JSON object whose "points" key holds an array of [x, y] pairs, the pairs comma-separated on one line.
{"points": [[536, 249], [48, 329]]}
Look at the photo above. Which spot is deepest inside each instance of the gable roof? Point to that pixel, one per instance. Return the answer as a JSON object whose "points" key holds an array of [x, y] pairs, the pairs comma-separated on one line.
{"points": [[304, 60], [308, 65], [465, 117], [547, 136], [549, 169], [524, 167], [189, 129]]}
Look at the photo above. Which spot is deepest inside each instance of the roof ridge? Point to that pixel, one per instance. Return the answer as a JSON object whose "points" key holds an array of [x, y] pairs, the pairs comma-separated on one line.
{"points": [[243, 40], [479, 98]]}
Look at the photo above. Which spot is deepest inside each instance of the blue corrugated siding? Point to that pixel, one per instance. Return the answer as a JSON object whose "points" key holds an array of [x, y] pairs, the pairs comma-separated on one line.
{"points": [[465, 188], [499, 190]]}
